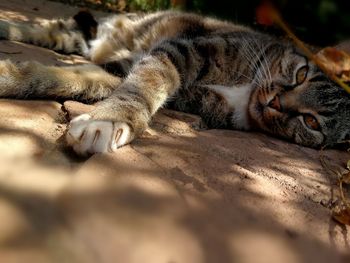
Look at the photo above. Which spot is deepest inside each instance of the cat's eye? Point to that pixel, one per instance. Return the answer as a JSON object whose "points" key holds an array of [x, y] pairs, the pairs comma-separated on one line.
{"points": [[302, 74], [311, 122]]}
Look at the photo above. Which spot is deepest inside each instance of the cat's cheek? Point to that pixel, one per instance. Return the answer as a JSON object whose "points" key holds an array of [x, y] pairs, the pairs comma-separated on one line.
{"points": [[255, 112], [88, 136]]}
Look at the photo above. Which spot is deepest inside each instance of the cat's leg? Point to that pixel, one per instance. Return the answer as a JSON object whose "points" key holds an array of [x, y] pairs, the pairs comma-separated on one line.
{"points": [[201, 100], [34, 80], [126, 113], [66, 36]]}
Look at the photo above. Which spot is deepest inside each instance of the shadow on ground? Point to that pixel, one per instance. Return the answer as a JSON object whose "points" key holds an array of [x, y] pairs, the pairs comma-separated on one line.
{"points": [[175, 195]]}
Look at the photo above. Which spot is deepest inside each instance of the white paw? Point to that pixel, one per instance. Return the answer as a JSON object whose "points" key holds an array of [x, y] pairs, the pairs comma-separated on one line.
{"points": [[93, 136]]}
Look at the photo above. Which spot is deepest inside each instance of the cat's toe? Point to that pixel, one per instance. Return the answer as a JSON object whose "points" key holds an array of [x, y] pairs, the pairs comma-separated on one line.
{"points": [[88, 136]]}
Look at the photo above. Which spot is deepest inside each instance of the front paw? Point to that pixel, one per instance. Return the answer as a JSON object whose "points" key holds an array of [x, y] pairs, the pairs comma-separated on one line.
{"points": [[88, 136]]}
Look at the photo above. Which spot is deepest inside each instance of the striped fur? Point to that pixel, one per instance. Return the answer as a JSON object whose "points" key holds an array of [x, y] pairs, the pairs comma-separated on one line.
{"points": [[232, 76]]}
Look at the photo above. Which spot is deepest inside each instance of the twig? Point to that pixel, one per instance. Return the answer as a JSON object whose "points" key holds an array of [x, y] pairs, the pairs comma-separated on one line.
{"points": [[330, 170], [327, 167]]}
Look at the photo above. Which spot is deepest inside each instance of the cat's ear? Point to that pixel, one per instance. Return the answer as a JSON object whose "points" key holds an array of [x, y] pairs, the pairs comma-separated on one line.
{"points": [[87, 23]]}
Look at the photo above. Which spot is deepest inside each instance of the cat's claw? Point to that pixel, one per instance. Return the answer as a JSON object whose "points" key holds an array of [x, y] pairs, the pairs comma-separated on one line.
{"points": [[88, 136]]}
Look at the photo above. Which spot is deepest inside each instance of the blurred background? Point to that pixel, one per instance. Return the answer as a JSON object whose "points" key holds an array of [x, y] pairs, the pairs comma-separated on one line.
{"points": [[317, 22]]}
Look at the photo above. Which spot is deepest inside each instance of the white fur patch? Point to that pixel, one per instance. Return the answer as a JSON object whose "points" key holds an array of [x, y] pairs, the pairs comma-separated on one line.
{"points": [[238, 98], [93, 136]]}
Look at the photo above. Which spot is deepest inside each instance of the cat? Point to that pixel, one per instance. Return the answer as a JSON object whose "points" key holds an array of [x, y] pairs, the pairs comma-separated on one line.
{"points": [[232, 76]]}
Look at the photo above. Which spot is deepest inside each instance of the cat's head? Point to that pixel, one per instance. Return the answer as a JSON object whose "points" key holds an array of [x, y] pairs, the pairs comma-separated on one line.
{"points": [[295, 100]]}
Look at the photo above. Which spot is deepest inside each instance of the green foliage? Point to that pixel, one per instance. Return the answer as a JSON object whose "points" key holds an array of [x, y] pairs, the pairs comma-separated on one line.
{"points": [[148, 5]]}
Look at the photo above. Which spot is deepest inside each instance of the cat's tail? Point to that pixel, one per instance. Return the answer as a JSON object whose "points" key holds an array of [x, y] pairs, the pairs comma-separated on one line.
{"points": [[66, 36]]}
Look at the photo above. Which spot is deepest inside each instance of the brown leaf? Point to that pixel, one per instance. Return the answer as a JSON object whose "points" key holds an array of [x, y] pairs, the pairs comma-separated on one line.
{"points": [[341, 214], [336, 62]]}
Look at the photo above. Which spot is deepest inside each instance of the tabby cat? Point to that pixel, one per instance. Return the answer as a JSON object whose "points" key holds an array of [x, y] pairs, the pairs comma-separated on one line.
{"points": [[230, 75]]}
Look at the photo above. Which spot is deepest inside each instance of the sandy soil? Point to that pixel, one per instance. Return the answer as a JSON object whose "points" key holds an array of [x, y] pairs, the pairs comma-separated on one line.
{"points": [[178, 194]]}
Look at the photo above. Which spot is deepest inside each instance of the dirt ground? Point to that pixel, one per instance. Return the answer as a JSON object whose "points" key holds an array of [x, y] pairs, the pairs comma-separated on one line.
{"points": [[178, 194]]}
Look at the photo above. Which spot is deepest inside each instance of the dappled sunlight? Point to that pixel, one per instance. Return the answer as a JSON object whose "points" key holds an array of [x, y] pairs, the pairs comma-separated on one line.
{"points": [[17, 147], [34, 10], [28, 177], [259, 246], [13, 224], [24, 108], [17, 51], [14, 16], [177, 194], [129, 229], [108, 171], [122, 199], [71, 60]]}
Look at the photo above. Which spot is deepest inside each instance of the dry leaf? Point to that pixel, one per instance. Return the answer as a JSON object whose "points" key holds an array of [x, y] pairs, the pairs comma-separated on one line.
{"points": [[336, 62], [341, 214]]}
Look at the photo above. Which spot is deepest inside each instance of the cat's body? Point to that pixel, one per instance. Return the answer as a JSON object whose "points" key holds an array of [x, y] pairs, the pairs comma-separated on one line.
{"points": [[231, 75]]}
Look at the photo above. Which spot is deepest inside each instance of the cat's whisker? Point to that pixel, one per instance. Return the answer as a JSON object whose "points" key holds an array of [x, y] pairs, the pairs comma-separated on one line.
{"points": [[263, 63], [249, 66], [265, 60], [250, 54], [247, 53], [261, 70]]}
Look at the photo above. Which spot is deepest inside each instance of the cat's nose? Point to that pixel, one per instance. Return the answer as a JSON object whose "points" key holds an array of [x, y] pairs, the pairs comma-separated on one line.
{"points": [[275, 103]]}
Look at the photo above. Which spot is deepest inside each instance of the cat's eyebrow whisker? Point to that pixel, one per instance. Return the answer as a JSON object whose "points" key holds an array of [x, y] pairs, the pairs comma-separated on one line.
{"points": [[247, 54], [264, 66], [240, 73], [265, 60], [268, 68], [251, 65], [249, 51], [262, 73]]}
